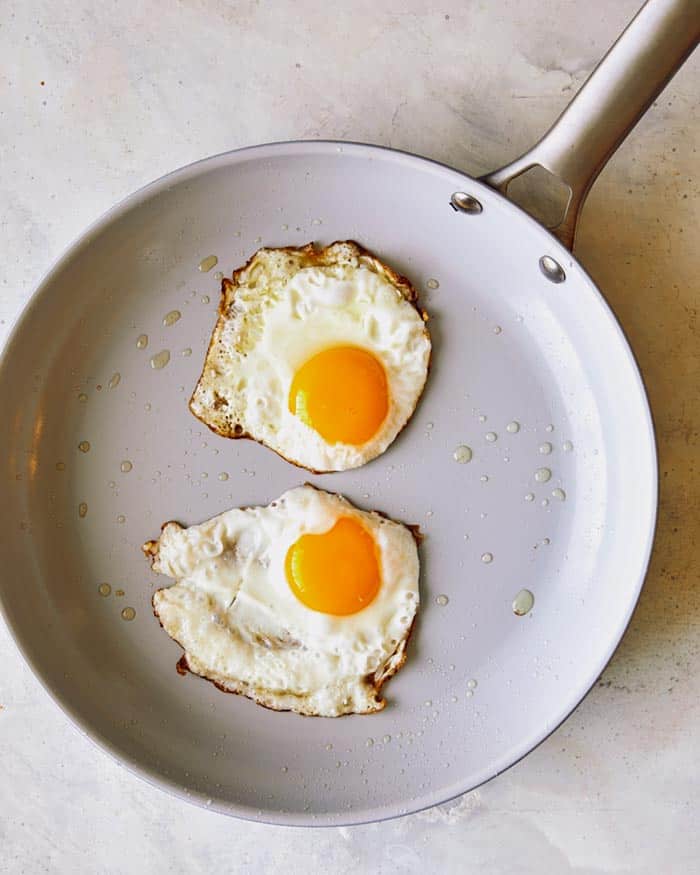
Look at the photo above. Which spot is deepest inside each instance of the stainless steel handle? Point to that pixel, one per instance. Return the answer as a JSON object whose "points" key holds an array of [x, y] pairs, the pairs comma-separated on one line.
{"points": [[609, 104]]}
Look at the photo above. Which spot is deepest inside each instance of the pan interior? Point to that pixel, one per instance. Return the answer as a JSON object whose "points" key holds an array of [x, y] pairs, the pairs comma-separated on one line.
{"points": [[520, 365]]}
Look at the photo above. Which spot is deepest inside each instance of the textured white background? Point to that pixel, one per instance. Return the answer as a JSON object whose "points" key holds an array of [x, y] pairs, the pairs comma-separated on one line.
{"points": [[134, 89]]}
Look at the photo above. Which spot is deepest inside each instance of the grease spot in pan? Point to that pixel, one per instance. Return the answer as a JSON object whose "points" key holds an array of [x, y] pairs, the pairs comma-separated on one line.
{"points": [[160, 359], [542, 475], [207, 263], [523, 602], [462, 454]]}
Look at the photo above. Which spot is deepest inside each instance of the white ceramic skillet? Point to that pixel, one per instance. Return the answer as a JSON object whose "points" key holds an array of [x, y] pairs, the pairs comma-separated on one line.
{"points": [[521, 335]]}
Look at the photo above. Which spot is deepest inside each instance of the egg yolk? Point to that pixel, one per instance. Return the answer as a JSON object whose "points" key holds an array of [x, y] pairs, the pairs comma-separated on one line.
{"points": [[336, 572], [342, 394]]}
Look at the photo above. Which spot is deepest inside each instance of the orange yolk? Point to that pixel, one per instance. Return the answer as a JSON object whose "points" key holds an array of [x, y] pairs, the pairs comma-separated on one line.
{"points": [[336, 572], [342, 394]]}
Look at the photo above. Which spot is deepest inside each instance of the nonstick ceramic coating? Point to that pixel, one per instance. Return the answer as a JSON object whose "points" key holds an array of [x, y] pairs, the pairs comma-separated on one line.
{"points": [[482, 686]]}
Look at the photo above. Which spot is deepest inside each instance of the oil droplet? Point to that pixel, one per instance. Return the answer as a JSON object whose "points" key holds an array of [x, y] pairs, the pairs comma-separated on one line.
{"points": [[206, 264], [119, 593], [482, 418], [142, 341], [84, 446], [484, 478], [60, 466], [369, 742], [205, 299], [121, 518], [223, 476], [82, 509], [428, 703], [433, 283], [567, 446], [82, 398], [559, 494], [258, 240], [285, 227], [386, 739], [472, 684], [523, 602], [112, 484], [219, 275], [545, 502], [469, 694], [549, 428], [114, 380], [545, 448], [529, 496], [497, 329], [542, 475], [284, 769], [186, 352], [545, 542], [442, 600], [128, 614], [513, 427], [462, 454], [491, 436], [171, 318], [104, 589], [125, 466], [329, 746], [486, 558], [160, 359], [147, 407]]}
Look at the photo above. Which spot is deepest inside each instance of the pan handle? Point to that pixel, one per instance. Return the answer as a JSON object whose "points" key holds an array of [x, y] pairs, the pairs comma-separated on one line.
{"points": [[609, 104]]}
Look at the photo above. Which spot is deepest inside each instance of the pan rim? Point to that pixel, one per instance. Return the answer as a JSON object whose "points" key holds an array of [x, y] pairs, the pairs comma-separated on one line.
{"points": [[361, 815]]}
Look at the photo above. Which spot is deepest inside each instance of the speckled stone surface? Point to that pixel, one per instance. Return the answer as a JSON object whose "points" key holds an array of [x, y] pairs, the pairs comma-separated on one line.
{"points": [[97, 99]]}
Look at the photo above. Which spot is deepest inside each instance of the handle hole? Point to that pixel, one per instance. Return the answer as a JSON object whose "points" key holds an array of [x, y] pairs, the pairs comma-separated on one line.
{"points": [[542, 194]]}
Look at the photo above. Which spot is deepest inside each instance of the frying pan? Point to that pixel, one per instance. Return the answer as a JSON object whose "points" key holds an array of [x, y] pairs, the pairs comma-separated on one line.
{"points": [[531, 370]]}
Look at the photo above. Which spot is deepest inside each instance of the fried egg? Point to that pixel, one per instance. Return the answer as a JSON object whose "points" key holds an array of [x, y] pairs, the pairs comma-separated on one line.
{"points": [[321, 355], [305, 604]]}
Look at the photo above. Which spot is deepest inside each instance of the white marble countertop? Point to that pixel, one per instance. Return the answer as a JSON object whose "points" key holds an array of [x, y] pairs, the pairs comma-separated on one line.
{"points": [[99, 98]]}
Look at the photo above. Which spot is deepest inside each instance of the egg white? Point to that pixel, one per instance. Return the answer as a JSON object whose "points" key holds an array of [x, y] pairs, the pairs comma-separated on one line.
{"points": [[285, 307], [241, 626]]}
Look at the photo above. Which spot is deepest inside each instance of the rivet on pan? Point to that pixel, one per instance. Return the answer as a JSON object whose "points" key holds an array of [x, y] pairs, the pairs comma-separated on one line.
{"points": [[552, 269], [465, 203]]}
